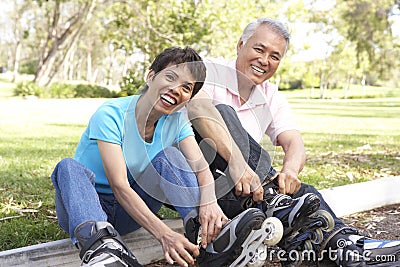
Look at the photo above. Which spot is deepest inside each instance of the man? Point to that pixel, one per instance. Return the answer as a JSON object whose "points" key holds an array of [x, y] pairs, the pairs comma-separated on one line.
{"points": [[236, 106]]}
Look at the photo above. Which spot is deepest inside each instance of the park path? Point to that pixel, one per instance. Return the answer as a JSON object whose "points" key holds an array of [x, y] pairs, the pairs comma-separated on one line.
{"points": [[47, 110]]}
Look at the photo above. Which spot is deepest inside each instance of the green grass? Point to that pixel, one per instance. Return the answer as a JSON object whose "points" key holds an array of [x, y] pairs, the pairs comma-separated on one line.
{"points": [[347, 141], [34, 136], [354, 91]]}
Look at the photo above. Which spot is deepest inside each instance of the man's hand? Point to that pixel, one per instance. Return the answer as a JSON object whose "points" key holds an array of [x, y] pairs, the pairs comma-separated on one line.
{"points": [[247, 182], [293, 161], [288, 182], [212, 220], [178, 248]]}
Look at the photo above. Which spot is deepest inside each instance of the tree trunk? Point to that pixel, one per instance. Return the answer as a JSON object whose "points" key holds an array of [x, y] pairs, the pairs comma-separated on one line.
{"points": [[322, 86], [94, 76], [16, 60], [9, 58], [69, 62], [89, 67], [62, 42]]}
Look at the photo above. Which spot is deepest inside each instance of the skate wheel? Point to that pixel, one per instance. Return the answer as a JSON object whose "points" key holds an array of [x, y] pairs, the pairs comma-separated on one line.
{"points": [[318, 236], [259, 258], [274, 229], [308, 245], [329, 223]]}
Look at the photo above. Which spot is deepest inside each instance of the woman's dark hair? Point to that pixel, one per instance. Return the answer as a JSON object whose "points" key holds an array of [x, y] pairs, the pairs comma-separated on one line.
{"points": [[177, 55]]}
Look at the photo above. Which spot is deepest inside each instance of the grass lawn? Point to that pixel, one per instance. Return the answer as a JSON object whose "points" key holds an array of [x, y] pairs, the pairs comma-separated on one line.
{"points": [[347, 141]]}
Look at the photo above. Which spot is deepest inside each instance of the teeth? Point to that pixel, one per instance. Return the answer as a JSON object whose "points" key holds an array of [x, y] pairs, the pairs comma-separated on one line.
{"points": [[257, 69], [168, 99]]}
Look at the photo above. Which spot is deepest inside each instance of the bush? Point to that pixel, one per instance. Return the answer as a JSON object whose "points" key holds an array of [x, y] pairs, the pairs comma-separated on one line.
{"points": [[61, 90], [130, 84], [88, 91], [28, 67], [28, 88]]}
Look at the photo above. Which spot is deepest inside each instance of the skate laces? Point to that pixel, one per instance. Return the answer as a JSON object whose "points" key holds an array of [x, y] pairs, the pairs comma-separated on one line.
{"points": [[281, 201], [198, 237]]}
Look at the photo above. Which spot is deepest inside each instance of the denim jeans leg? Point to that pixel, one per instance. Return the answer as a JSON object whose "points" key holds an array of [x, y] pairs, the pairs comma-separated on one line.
{"points": [[119, 217], [170, 180], [257, 158], [76, 199]]}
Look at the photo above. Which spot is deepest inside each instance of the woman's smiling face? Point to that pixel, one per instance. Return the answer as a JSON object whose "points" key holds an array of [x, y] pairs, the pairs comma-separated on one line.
{"points": [[171, 88]]}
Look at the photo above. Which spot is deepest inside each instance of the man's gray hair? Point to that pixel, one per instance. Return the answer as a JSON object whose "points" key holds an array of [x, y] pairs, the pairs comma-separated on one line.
{"points": [[277, 26]]}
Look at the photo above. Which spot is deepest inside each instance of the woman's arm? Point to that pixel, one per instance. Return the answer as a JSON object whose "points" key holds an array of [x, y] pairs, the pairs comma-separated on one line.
{"points": [[211, 215], [176, 246]]}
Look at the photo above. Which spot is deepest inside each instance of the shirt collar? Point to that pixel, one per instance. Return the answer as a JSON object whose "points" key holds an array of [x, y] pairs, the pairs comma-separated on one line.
{"points": [[257, 97]]}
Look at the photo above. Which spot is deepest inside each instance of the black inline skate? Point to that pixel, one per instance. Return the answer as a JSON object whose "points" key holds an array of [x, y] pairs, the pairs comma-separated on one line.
{"points": [[102, 246], [240, 242]]}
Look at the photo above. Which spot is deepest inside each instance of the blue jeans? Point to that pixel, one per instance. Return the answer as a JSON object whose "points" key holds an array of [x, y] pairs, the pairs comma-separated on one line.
{"points": [[167, 179], [259, 160]]}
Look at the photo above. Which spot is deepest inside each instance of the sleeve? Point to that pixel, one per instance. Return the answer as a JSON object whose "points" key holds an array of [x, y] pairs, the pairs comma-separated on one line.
{"points": [[185, 129], [106, 125], [211, 74], [282, 118]]}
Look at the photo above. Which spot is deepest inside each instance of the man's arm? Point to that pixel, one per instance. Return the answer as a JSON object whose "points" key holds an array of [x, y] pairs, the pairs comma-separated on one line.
{"points": [[176, 246], [209, 123], [293, 161]]}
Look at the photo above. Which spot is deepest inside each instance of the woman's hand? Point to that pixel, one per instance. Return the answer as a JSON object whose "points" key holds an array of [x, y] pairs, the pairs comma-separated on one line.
{"points": [[178, 248], [212, 220]]}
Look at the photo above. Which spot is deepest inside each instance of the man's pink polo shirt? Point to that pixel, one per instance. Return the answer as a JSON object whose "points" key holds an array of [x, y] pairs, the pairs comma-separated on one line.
{"points": [[266, 112]]}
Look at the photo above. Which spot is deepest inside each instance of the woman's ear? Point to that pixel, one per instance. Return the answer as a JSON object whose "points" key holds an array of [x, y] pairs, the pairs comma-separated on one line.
{"points": [[150, 75]]}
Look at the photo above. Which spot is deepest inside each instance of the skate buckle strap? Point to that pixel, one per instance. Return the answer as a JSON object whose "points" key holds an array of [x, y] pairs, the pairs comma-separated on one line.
{"points": [[104, 232]]}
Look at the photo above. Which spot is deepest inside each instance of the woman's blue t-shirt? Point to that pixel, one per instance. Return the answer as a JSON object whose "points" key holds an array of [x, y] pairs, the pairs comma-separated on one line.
{"points": [[115, 122]]}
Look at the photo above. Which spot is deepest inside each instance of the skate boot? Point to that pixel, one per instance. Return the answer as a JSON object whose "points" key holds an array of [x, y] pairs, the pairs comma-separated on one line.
{"points": [[301, 243], [291, 212], [356, 250], [101, 246], [309, 232], [240, 242]]}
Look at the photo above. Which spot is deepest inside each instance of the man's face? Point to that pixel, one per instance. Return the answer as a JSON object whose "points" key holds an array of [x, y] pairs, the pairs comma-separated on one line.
{"points": [[259, 58]]}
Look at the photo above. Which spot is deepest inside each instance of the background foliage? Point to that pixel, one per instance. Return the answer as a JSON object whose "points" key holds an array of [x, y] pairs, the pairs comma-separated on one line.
{"points": [[335, 44]]}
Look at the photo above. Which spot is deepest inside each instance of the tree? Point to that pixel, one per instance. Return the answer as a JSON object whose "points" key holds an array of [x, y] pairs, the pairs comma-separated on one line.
{"points": [[20, 24], [148, 27], [366, 24], [62, 35]]}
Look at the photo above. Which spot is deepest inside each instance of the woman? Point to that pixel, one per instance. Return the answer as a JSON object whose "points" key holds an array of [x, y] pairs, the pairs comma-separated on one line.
{"points": [[136, 154]]}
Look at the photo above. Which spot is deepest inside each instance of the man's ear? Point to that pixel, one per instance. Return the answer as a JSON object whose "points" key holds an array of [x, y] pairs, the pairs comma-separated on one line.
{"points": [[239, 45]]}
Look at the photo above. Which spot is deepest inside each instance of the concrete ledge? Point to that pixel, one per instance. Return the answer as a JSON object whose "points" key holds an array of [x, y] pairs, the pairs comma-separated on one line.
{"points": [[344, 200], [352, 198], [62, 253]]}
